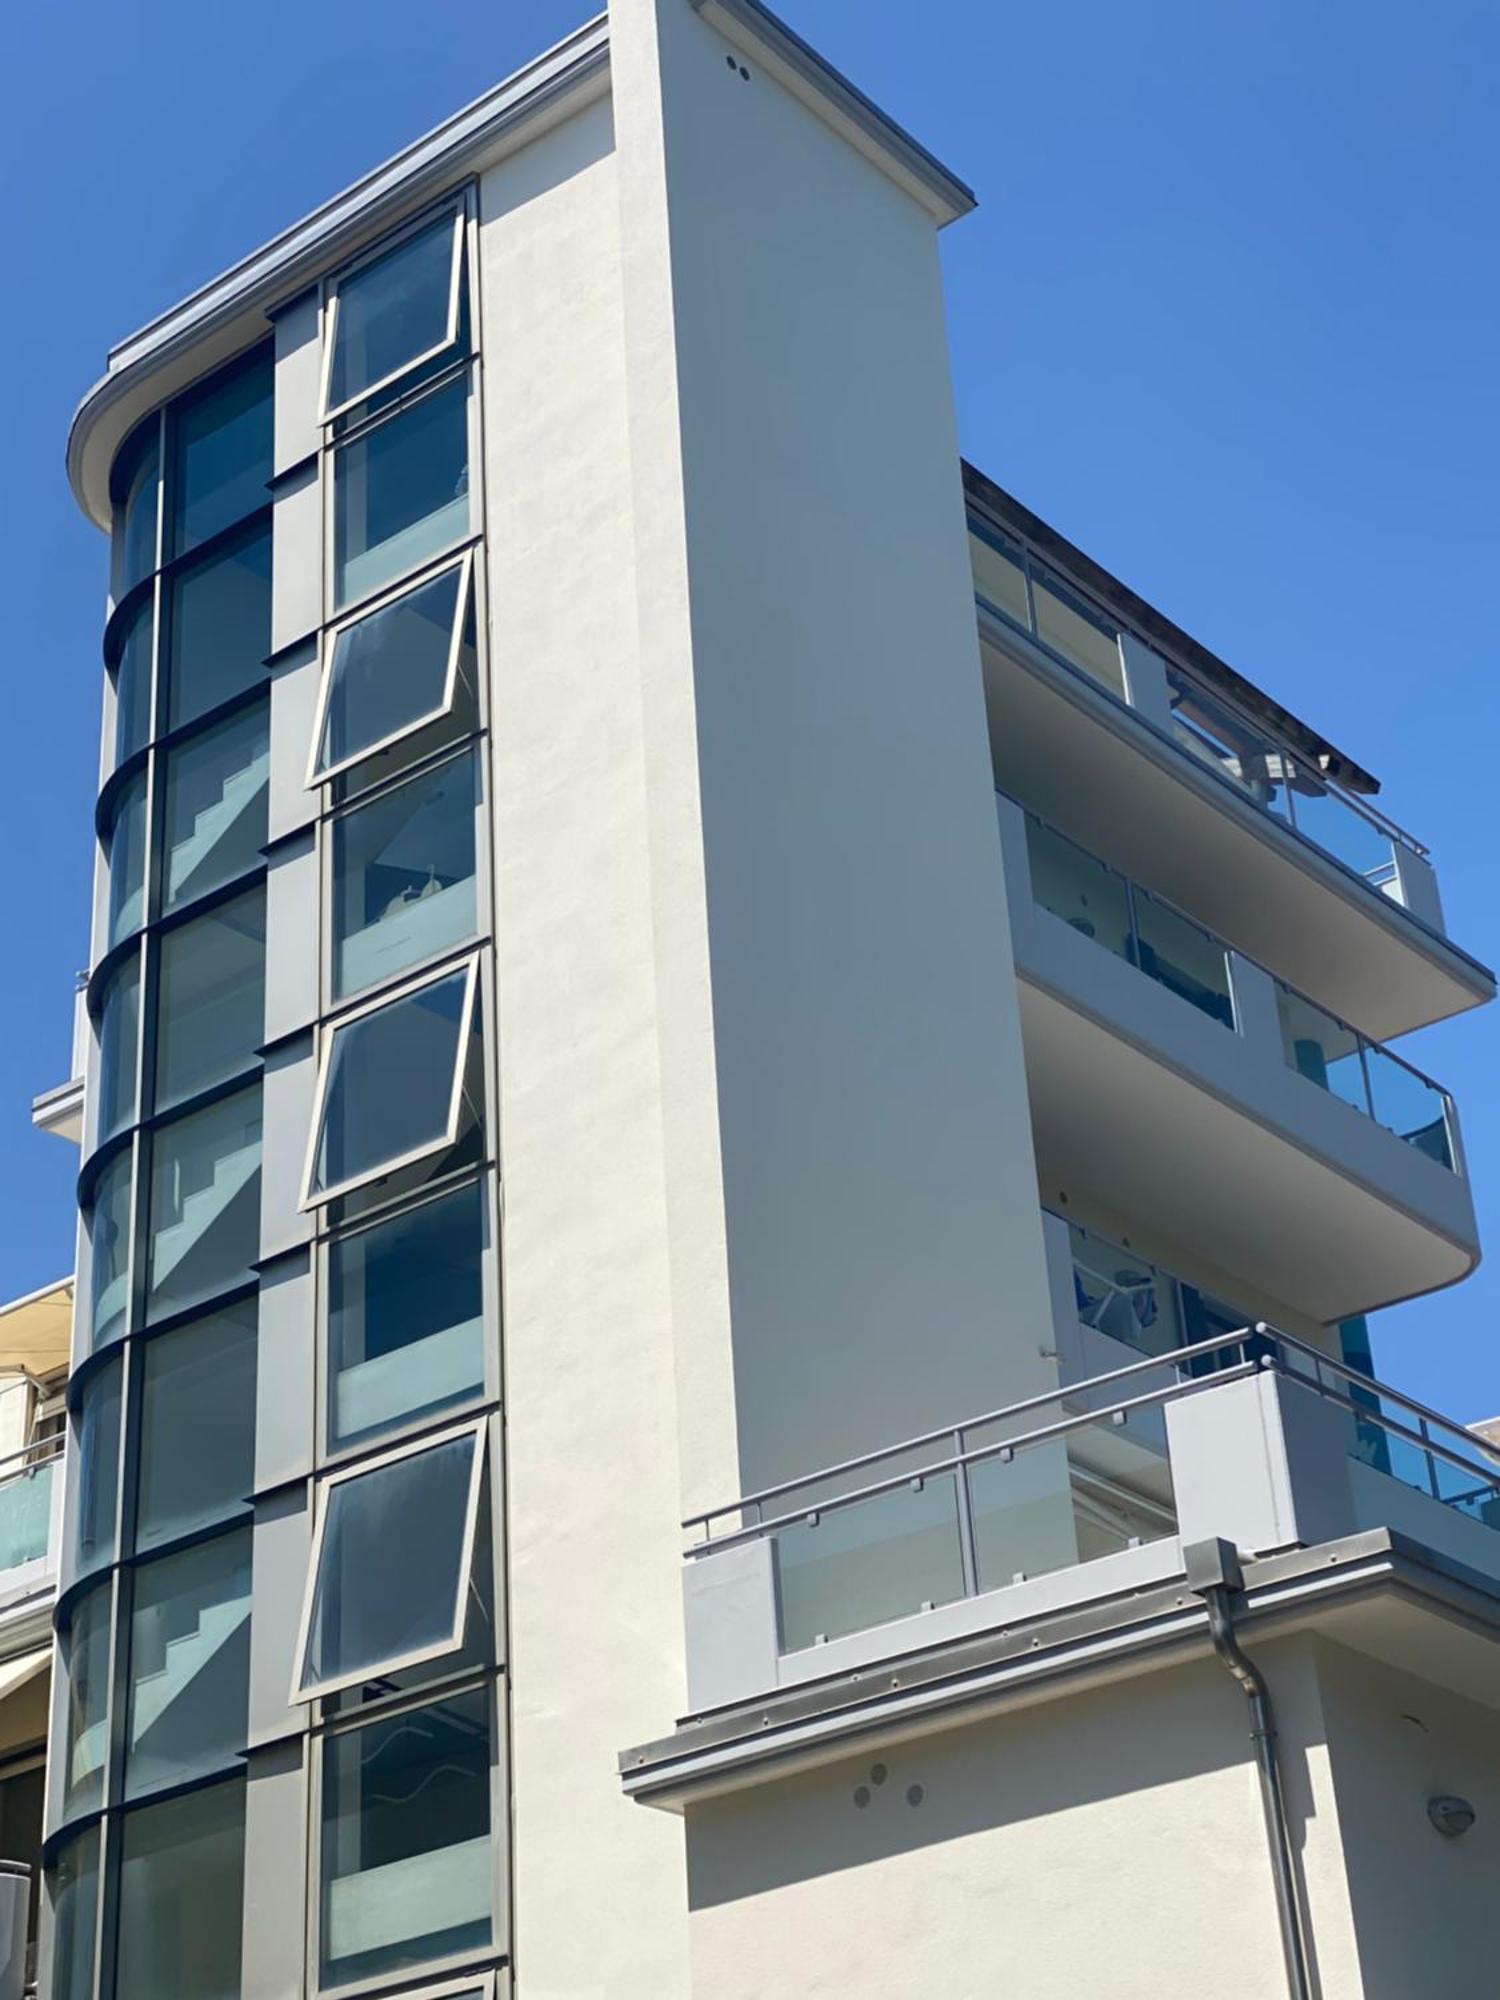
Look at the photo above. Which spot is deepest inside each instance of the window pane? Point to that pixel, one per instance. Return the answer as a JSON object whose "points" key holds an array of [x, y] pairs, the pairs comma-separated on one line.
{"points": [[391, 1077], [109, 1252], [197, 1425], [133, 683], [1079, 632], [95, 1470], [390, 669], [119, 1026], [182, 1871], [391, 1575], [189, 1683], [392, 313], [85, 1648], [403, 877], [135, 482], [219, 618], [407, 1870], [211, 1007], [205, 1203], [127, 861], [999, 575], [217, 788], [401, 492], [73, 1890], [406, 1317], [221, 456]]}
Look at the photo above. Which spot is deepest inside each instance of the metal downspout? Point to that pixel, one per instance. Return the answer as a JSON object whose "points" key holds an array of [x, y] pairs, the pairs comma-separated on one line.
{"points": [[1213, 1571]]}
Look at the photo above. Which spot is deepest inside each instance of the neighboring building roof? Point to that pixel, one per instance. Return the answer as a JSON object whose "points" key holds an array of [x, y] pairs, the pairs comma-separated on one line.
{"points": [[1008, 512], [36, 1333], [1489, 1430]]}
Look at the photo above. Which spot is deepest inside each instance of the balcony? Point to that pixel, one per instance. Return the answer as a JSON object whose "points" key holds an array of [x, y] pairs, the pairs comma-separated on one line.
{"points": [[983, 1562], [1171, 1075], [1093, 723]]}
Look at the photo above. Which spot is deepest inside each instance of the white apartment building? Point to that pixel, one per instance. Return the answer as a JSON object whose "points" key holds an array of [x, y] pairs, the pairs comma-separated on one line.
{"points": [[737, 1120]]}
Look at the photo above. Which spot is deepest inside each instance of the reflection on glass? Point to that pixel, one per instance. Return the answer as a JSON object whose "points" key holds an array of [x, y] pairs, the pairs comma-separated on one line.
{"points": [[1408, 1105], [999, 573], [211, 998], [109, 1252], [219, 621], [393, 1077], [96, 1469], [407, 1869], [862, 1565], [182, 1874], [1340, 829], [133, 683], [1071, 625], [73, 1890], [1225, 741], [1089, 897], [403, 877], [1122, 1295], [217, 790], [406, 1317], [205, 1203], [1322, 1049], [127, 861], [221, 455], [119, 1048], [1101, 1490], [189, 1681], [136, 487], [394, 312], [1183, 958], [85, 1651], [197, 1449], [392, 1567], [401, 492], [392, 668]]}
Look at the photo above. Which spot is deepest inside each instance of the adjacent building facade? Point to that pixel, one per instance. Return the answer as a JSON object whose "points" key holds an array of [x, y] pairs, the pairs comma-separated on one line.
{"points": [[664, 951]]}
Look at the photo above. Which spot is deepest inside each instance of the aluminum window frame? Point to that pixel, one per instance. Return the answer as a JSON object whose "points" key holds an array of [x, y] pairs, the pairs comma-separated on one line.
{"points": [[311, 1198], [303, 1693], [457, 217], [319, 774]]}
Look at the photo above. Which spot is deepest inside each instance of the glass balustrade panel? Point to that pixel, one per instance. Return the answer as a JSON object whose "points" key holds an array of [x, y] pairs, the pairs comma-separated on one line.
{"points": [[1408, 1105], [1073, 627], [1122, 1295], [1089, 897], [848, 1568], [1322, 1049], [1183, 958], [1000, 575]]}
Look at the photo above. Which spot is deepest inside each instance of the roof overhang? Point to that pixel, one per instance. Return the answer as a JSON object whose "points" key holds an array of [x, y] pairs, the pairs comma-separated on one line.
{"points": [[36, 1333]]}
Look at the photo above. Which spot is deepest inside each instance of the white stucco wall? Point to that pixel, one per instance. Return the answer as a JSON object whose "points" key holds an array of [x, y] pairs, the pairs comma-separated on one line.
{"points": [[884, 1249]]}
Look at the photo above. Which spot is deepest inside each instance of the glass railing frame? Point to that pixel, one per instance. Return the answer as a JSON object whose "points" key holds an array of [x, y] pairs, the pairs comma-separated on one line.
{"points": [[1387, 828], [1365, 1042]]}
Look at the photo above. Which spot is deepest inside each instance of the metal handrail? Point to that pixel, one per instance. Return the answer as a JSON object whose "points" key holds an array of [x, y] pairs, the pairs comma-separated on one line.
{"points": [[1380, 820], [1197, 924], [42, 1451], [961, 1458]]}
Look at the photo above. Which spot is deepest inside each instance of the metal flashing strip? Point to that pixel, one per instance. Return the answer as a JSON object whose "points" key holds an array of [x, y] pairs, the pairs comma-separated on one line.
{"points": [[809, 76], [267, 280], [974, 1679]]}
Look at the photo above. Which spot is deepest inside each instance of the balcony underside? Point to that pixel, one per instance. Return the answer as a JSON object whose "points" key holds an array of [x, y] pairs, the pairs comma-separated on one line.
{"points": [[1078, 758], [1150, 1138]]}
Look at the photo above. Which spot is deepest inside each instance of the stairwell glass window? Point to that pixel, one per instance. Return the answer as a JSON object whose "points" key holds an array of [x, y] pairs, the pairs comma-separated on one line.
{"points": [[397, 313], [73, 1892], [391, 1084], [221, 454], [393, 1548], [197, 1425], [219, 626], [406, 1316], [109, 1251], [181, 1897], [205, 1203], [119, 1037], [132, 679], [210, 1010], [136, 484], [127, 862], [85, 1658], [404, 887], [189, 1681], [217, 786], [408, 1869], [394, 670], [401, 491]]}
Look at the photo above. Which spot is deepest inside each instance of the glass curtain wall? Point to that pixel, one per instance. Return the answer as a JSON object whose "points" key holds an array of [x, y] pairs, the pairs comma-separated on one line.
{"points": [[145, 1853], [401, 1683]]}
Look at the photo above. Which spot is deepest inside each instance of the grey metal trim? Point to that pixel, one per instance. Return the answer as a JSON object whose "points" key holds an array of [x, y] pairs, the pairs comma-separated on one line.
{"points": [[972, 1679], [948, 197], [268, 279]]}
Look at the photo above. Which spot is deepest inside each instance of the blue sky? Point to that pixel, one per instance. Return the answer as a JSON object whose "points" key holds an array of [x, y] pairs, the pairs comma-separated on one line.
{"points": [[1226, 316]]}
